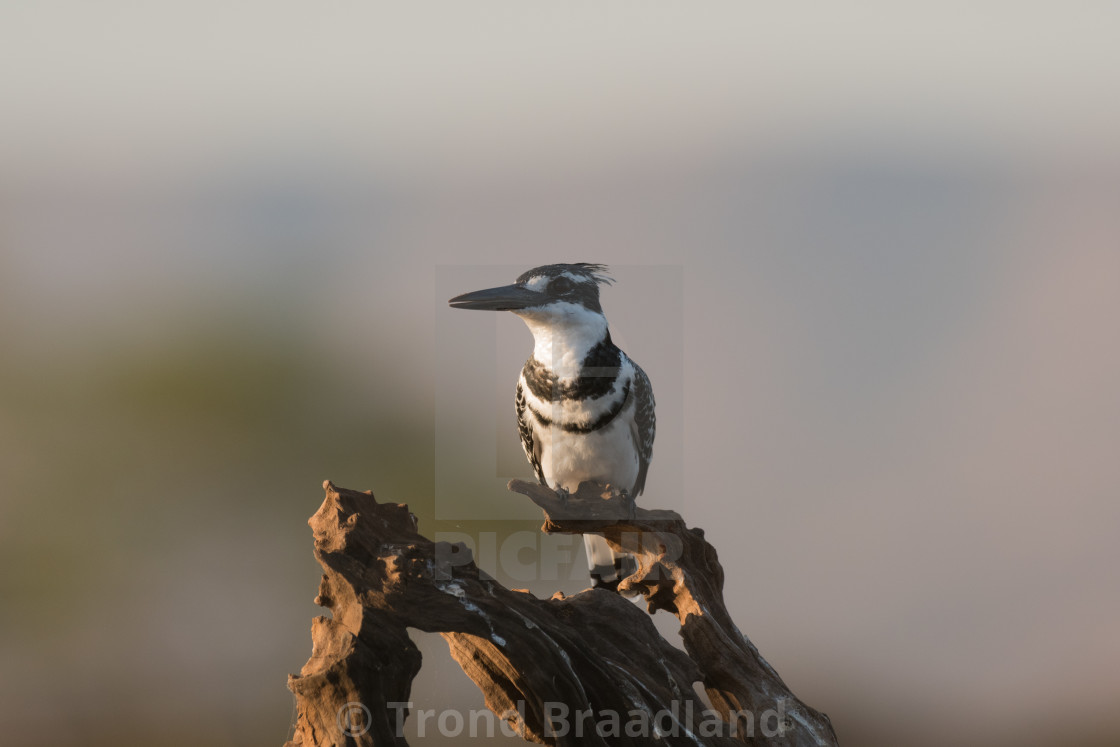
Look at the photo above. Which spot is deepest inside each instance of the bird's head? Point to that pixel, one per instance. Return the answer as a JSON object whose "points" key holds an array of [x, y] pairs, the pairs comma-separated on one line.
{"points": [[547, 294]]}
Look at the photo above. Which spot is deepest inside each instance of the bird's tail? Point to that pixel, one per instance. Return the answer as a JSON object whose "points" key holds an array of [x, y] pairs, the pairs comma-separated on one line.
{"points": [[607, 566]]}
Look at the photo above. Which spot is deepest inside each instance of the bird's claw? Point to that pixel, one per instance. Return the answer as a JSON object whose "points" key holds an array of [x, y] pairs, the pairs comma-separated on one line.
{"points": [[631, 504]]}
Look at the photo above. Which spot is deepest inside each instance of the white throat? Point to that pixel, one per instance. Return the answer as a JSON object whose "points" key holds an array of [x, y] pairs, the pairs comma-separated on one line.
{"points": [[563, 334]]}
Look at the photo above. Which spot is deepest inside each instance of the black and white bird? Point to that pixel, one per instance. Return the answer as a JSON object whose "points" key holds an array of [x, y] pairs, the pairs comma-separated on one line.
{"points": [[585, 411]]}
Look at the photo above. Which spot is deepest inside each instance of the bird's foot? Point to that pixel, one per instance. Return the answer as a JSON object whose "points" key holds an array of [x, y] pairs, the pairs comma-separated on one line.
{"points": [[631, 504], [608, 577], [626, 566], [597, 582]]}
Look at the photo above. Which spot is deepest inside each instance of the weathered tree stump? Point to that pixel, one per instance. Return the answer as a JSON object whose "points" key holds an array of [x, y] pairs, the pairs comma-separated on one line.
{"points": [[590, 669]]}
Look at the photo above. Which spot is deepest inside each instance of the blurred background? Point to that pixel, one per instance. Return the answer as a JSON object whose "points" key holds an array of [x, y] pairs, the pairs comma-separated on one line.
{"points": [[870, 258]]}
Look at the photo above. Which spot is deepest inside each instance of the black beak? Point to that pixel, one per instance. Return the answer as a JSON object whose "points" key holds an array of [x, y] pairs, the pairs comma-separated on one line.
{"points": [[506, 298]]}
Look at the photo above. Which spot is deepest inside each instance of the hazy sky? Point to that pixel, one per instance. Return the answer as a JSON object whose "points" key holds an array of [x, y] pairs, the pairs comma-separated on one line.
{"points": [[426, 89]]}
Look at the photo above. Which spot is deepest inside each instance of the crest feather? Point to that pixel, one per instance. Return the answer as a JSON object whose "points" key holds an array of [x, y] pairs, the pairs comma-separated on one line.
{"points": [[589, 270]]}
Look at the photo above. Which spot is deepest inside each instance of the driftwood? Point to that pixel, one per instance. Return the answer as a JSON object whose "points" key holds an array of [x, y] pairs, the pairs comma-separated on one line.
{"points": [[585, 669]]}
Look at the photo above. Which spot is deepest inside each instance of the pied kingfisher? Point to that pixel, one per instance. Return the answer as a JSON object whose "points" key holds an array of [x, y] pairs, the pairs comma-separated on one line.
{"points": [[584, 409]]}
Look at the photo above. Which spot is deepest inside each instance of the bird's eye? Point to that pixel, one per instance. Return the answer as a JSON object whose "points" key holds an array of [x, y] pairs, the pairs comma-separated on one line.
{"points": [[560, 285]]}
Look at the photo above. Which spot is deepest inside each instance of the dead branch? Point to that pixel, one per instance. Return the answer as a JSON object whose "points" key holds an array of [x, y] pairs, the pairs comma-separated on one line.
{"points": [[540, 663]]}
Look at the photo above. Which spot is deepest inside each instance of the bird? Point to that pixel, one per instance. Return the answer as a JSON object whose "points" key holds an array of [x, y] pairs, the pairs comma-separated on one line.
{"points": [[585, 409]]}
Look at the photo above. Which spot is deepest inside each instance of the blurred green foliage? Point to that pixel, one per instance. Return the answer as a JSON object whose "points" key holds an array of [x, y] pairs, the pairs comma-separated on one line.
{"points": [[155, 492]]}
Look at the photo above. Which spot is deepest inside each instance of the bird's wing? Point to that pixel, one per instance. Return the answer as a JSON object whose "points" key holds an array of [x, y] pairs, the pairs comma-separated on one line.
{"points": [[525, 430], [644, 425]]}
